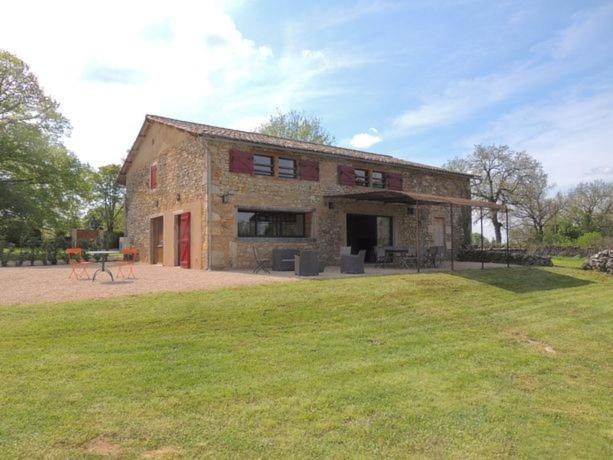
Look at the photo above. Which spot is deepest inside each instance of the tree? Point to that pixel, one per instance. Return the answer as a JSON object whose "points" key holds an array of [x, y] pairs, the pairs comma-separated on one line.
{"points": [[22, 100], [498, 174], [108, 197], [42, 184], [297, 126], [532, 203], [590, 206]]}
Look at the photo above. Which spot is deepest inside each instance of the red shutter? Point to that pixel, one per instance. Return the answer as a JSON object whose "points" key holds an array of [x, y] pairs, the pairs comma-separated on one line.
{"points": [[241, 162], [153, 176], [346, 175], [184, 234], [393, 181], [308, 170]]}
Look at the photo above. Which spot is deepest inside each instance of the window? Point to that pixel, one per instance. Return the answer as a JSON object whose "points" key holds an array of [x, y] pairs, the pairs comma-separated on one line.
{"points": [[153, 176], [271, 224], [361, 177], [384, 231], [262, 165], [377, 179], [287, 168]]}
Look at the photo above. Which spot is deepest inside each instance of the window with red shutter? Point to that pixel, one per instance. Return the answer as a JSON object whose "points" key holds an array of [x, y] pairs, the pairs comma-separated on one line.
{"points": [[153, 176], [241, 162], [393, 181], [346, 175], [308, 170]]}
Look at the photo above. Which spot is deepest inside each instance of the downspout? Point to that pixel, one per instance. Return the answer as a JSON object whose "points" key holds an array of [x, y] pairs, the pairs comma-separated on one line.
{"points": [[209, 202]]}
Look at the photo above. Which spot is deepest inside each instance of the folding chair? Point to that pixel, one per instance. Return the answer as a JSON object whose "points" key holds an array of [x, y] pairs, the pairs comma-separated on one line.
{"points": [[260, 264], [126, 266], [77, 263]]}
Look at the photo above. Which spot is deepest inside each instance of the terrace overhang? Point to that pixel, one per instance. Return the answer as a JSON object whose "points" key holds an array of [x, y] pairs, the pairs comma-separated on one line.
{"points": [[414, 198]]}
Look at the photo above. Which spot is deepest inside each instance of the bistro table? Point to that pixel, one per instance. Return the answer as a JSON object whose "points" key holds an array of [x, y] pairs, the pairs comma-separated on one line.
{"points": [[104, 255], [405, 259]]}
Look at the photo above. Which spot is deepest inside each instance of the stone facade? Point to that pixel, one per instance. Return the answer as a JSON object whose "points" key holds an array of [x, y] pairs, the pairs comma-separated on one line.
{"points": [[186, 163]]}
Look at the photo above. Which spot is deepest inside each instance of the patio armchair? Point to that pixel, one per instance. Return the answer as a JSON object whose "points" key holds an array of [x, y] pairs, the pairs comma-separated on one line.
{"points": [[283, 259], [353, 263], [307, 263]]}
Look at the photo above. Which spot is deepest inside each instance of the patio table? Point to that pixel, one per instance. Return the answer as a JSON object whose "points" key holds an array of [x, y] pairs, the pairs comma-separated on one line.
{"points": [[402, 255], [104, 255]]}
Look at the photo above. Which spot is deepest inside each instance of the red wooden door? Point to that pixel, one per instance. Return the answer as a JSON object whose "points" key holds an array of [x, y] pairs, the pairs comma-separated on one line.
{"points": [[184, 240]]}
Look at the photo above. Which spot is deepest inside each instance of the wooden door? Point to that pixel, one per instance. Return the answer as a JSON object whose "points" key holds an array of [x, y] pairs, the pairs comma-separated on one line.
{"points": [[184, 237], [157, 240]]}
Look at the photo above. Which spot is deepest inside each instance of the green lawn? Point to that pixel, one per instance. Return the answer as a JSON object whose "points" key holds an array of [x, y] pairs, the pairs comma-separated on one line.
{"points": [[494, 363], [568, 262]]}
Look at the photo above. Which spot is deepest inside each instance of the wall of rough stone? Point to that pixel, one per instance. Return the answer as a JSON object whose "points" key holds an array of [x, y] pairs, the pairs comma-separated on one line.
{"points": [[328, 227], [181, 187]]}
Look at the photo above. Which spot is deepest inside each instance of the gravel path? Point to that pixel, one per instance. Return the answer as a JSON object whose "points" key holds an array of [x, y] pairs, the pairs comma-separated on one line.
{"points": [[27, 285]]}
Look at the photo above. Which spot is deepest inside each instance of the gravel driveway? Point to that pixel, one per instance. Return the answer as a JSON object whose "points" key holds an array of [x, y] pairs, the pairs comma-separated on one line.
{"points": [[27, 285]]}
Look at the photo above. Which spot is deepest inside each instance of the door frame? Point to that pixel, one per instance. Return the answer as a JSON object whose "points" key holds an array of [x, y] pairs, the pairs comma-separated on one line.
{"points": [[153, 239]]}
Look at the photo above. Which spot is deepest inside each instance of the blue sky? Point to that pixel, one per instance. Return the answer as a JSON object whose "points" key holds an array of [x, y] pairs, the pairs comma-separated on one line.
{"points": [[422, 80]]}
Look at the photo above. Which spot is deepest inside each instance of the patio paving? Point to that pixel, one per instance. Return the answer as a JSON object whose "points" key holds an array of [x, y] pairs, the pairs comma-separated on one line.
{"points": [[29, 285]]}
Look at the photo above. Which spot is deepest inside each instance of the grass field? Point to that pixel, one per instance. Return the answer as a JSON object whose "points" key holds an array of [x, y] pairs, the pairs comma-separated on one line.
{"points": [[568, 262], [501, 362]]}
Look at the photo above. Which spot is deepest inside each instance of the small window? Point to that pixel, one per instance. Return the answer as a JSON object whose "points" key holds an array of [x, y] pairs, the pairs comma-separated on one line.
{"points": [[361, 177], [153, 176], [377, 179], [287, 168], [270, 224], [262, 165]]}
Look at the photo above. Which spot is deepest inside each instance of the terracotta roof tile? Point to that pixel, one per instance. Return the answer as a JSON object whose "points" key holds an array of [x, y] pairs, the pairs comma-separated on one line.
{"points": [[279, 142]]}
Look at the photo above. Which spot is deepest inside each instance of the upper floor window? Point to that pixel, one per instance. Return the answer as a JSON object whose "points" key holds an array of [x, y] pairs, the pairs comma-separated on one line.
{"points": [[153, 176], [262, 165], [287, 168], [377, 179], [361, 177]]}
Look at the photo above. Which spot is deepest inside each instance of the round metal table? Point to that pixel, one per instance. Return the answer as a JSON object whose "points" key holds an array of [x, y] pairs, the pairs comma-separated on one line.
{"points": [[104, 255]]}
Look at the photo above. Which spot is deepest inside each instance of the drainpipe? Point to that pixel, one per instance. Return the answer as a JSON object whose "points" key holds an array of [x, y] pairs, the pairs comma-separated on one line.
{"points": [[209, 202]]}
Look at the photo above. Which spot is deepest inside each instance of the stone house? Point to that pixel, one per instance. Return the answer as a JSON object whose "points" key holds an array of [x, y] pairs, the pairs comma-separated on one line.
{"points": [[200, 196]]}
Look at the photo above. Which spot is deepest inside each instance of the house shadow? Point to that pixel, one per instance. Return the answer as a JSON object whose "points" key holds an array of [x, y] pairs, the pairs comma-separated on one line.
{"points": [[523, 280]]}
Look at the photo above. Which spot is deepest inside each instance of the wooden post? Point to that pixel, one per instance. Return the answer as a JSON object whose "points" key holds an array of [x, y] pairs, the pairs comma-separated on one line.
{"points": [[452, 243], [481, 213], [418, 252], [506, 213]]}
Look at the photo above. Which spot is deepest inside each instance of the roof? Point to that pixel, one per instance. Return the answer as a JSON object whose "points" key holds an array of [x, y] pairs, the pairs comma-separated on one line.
{"points": [[258, 139], [393, 196]]}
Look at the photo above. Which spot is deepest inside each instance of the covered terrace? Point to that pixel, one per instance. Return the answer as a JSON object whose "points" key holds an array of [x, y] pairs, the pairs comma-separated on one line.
{"points": [[417, 200]]}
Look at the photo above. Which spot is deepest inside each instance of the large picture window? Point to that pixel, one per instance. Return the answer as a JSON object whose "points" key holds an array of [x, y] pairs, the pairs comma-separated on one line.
{"points": [[271, 224]]}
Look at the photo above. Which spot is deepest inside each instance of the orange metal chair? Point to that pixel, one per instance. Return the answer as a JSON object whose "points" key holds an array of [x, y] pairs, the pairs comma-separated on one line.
{"points": [[126, 266], [77, 263]]}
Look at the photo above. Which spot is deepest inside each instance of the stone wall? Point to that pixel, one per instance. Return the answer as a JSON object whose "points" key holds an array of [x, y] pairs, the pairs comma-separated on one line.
{"points": [[328, 227], [181, 188]]}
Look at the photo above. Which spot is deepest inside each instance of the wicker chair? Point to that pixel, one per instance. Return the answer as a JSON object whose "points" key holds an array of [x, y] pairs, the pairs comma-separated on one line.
{"points": [[353, 263], [307, 263]]}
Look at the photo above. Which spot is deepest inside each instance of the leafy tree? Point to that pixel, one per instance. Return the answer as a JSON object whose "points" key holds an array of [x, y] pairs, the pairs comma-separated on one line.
{"points": [[590, 206], [42, 185], [108, 197], [498, 172], [532, 205], [297, 126], [22, 100]]}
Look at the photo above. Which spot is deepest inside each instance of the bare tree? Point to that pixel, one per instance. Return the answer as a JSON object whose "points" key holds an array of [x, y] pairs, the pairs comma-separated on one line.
{"points": [[532, 203], [498, 173]]}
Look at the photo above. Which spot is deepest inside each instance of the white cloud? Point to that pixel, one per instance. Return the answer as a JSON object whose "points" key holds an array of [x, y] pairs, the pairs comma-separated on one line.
{"points": [[365, 140], [108, 70], [569, 134]]}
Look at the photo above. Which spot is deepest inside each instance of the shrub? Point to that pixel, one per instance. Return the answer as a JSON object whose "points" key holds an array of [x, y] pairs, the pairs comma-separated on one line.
{"points": [[589, 239]]}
